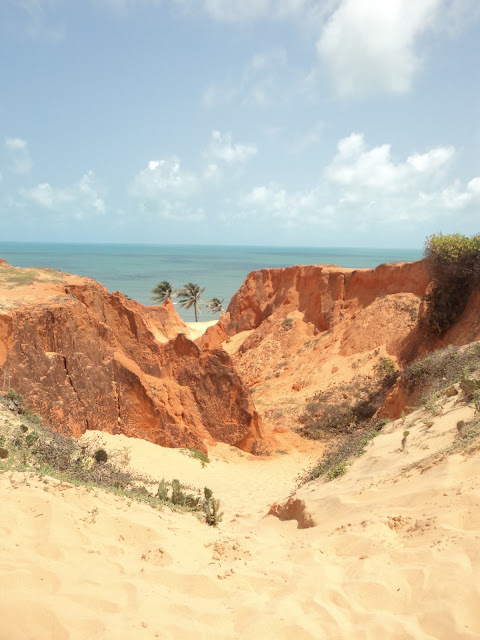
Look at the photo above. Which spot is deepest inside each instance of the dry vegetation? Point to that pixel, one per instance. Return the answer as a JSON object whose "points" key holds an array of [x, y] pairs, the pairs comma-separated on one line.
{"points": [[435, 376], [27, 446], [16, 277]]}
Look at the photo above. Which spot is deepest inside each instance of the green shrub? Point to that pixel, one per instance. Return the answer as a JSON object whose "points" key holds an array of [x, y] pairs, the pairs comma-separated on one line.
{"points": [[338, 470], [453, 263], [31, 438], [334, 460], [387, 370], [101, 455], [16, 397], [199, 455]]}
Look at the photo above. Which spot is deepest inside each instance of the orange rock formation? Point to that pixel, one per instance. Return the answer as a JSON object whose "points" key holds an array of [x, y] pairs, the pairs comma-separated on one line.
{"points": [[87, 359], [301, 330], [324, 295]]}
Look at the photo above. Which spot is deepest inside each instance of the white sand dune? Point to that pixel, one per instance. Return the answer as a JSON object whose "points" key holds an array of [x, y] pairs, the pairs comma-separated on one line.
{"points": [[395, 552]]}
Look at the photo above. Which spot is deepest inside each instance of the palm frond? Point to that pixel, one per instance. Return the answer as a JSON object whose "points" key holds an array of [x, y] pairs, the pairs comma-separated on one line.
{"points": [[162, 291]]}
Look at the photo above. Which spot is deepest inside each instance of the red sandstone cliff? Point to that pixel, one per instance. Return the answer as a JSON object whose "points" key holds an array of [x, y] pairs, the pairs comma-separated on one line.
{"points": [[296, 332], [403, 397], [87, 359], [323, 295]]}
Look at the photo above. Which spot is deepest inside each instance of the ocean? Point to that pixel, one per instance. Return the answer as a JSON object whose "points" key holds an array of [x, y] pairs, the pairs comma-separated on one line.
{"points": [[136, 269]]}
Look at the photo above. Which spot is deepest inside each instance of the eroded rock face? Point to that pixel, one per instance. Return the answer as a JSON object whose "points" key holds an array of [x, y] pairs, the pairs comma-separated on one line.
{"points": [[323, 295], [87, 359], [298, 332]]}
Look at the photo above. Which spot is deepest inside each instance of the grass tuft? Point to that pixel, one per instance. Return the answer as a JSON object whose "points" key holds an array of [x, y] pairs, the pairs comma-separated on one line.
{"points": [[33, 448], [340, 453]]}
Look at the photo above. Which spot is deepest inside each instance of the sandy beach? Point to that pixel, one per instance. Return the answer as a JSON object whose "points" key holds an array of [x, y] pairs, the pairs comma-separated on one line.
{"points": [[394, 553], [197, 329]]}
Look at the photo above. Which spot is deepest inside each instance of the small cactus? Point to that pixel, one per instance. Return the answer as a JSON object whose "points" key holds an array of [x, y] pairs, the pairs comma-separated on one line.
{"points": [[212, 515], [178, 497], [162, 491], [211, 506]]}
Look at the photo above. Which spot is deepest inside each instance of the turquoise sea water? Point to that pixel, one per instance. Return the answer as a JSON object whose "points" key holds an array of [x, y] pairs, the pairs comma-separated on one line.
{"points": [[136, 269]]}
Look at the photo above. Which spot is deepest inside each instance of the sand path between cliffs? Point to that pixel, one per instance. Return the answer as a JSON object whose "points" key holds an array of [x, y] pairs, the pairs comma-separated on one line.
{"points": [[394, 554]]}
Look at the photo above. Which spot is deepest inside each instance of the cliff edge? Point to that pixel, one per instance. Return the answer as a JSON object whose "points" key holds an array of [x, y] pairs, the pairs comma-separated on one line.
{"points": [[84, 358], [297, 333]]}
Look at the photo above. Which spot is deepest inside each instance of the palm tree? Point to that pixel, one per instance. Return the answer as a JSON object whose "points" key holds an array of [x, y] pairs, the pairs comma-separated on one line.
{"points": [[162, 291], [215, 305], [189, 296]]}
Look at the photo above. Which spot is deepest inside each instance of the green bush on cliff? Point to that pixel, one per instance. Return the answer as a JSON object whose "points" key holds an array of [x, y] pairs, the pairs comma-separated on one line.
{"points": [[453, 263]]}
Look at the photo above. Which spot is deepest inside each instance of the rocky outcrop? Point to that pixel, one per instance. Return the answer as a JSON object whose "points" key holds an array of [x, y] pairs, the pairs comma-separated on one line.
{"points": [[323, 295], [87, 359], [404, 397], [298, 332]]}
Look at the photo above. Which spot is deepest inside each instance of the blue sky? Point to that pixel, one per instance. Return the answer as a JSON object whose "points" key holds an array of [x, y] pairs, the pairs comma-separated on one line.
{"points": [[290, 122]]}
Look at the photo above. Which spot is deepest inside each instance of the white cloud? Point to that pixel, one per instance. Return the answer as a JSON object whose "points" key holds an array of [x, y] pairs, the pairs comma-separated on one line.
{"points": [[364, 187], [367, 185], [163, 177], [36, 16], [212, 172], [366, 46], [123, 7], [268, 59], [369, 46], [215, 96], [457, 15], [79, 200], [309, 138], [455, 198], [289, 209], [361, 169], [19, 154], [246, 10], [266, 79], [164, 189], [222, 149]]}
